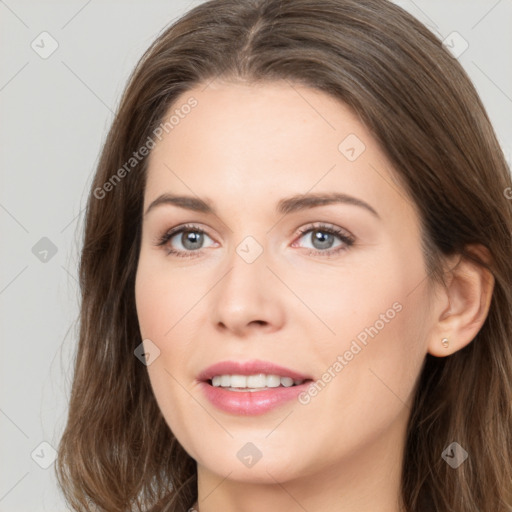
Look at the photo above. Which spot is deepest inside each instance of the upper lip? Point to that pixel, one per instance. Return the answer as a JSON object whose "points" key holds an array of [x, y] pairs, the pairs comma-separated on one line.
{"points": [[248, 368]]}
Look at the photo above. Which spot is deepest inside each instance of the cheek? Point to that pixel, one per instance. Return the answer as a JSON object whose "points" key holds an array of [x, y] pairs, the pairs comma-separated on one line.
{"points": [[161, 298], [159, 309], [380, 329], [152, 317], [165, 311]]}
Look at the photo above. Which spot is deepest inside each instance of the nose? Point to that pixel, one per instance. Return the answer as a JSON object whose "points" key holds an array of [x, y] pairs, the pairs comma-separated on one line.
{"points": [[248, 298]]}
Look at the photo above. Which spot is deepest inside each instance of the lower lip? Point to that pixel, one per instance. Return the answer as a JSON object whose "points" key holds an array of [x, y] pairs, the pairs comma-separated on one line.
{"points": [[250, 403]]}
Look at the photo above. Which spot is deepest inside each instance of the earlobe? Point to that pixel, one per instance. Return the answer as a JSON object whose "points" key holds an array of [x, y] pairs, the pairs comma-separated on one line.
{"points": [[468, 292]]}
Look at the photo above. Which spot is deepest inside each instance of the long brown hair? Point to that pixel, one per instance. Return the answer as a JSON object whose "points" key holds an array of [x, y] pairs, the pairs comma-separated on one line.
{"points": [[117, 453]]}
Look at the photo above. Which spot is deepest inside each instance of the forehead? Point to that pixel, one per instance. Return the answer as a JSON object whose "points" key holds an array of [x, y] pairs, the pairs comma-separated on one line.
{"points": [[245, 142], [269, 119]]}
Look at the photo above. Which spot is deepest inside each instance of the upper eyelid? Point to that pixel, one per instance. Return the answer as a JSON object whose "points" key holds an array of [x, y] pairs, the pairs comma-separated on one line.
{"points": [[328, 226]]}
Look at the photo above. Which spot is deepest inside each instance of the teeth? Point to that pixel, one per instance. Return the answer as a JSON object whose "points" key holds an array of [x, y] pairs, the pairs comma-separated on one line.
{"points": [[258, 381]]}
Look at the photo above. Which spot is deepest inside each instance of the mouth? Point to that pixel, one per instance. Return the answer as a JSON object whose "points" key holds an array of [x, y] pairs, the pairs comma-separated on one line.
{"points": [[252, 387]]}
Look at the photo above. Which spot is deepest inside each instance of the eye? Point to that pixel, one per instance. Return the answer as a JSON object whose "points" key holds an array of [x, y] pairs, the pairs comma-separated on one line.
{"points": [[323, 236], [189, 236], [191, 239]]}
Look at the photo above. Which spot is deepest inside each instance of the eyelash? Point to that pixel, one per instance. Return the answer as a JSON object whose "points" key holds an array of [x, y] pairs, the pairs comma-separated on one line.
{"points": [[347, 240]]}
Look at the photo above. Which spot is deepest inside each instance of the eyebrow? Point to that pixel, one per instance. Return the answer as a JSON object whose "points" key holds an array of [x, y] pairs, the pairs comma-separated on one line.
{"points": [[284, 206]]}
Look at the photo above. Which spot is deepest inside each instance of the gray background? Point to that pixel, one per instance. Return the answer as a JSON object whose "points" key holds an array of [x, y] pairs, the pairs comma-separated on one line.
{"points": [[55, 113]]}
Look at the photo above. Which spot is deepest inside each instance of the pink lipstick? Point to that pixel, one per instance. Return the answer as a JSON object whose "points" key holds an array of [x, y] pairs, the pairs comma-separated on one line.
{"points": [[251, 387]]}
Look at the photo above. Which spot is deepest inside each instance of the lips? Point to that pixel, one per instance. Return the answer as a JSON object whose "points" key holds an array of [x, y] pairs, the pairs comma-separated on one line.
{"points": [[246, 403], [250, 402], [249, 368]]}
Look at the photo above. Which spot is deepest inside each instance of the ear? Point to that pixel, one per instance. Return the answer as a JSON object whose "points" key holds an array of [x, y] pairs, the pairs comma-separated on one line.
{"points": [[463, 303]]}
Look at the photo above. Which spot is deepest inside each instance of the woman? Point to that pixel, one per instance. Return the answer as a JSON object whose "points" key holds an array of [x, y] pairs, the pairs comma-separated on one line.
{"points": [[296, 281]]}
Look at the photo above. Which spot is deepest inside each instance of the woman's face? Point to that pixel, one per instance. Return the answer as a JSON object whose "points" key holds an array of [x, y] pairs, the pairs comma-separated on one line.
{"points": [[335, 291]]}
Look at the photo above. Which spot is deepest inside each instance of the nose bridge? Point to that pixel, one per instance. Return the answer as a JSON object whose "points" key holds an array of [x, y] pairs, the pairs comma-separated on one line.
{"points": [[244, 294], [248, 266]]}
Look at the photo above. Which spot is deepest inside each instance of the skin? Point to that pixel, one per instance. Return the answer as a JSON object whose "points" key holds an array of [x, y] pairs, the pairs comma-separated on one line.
{"points": [[245, 147]]}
